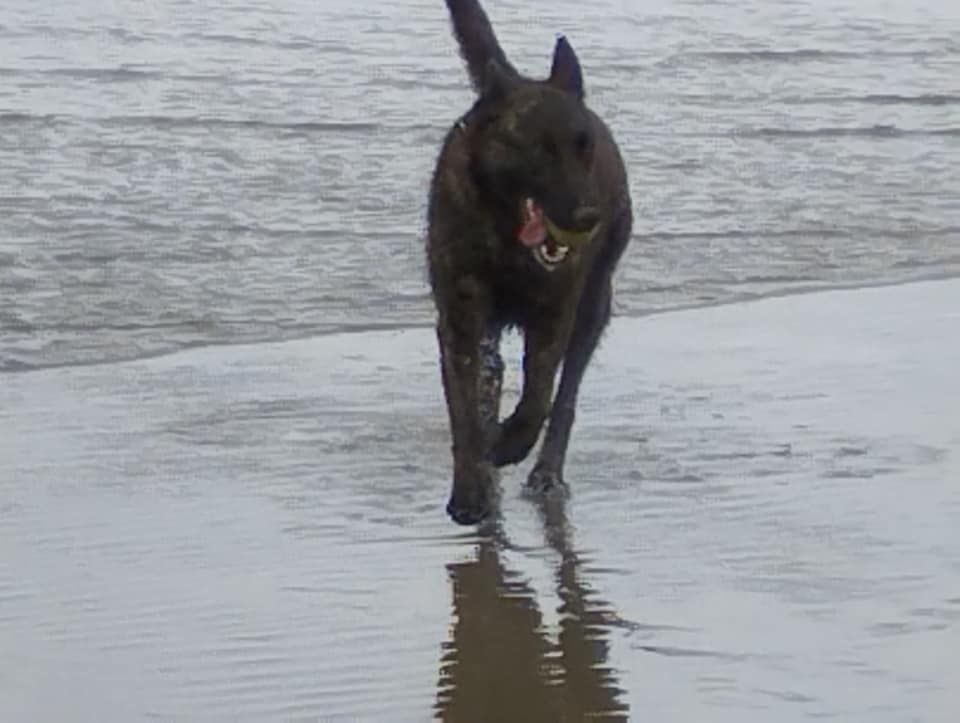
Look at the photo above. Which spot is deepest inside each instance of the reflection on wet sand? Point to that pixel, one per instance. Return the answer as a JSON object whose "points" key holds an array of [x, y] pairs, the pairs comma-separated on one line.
{"points": [[502, 665]]}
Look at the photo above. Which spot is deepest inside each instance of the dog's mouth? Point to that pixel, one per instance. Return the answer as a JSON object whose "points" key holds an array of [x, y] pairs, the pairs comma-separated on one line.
{"points": [[548, 243]]}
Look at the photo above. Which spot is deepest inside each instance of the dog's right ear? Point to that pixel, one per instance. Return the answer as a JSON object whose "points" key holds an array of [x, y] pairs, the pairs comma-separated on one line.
{"points": [[497, 80], [566, 73]]}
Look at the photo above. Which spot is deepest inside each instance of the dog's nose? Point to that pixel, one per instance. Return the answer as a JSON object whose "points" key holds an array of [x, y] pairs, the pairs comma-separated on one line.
{"points": [[586, 218]]}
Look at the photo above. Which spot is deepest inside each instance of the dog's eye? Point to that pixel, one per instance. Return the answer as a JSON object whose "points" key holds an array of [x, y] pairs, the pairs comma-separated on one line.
{"points": [[581, 141], [550, 147]]}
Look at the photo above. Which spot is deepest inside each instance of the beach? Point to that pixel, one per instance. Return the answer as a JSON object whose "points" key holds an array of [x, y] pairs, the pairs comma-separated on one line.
{"points": [[762, 525]]}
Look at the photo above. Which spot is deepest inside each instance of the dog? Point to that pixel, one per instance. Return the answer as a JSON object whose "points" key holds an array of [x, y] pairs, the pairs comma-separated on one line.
{"points": [[529, 212]]}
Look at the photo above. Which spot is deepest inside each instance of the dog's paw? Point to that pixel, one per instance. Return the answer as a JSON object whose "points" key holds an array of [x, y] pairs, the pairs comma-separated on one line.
{"points": [[544, 480], [513, 441], [467, 515], [474, 499]]}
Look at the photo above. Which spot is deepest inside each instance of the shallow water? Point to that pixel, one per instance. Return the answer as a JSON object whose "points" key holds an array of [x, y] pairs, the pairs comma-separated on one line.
{"points": [[762, 527], [186, 173]]}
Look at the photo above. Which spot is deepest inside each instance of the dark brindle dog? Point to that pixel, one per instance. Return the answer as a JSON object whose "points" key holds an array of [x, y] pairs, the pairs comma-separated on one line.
{"points": [[529, 213]]}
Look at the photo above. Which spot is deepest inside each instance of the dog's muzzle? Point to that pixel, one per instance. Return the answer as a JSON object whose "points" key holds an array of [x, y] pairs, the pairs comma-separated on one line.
{"points": [[549, 243]]}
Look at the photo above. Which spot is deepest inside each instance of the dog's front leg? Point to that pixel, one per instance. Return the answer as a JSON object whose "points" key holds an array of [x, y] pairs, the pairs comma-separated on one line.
{"points": [[543, 350], [463, 320]]}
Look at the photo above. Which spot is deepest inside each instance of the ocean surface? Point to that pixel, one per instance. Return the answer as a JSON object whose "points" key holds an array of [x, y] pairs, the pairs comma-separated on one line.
{"points": [[178, 174], [224, 453]]}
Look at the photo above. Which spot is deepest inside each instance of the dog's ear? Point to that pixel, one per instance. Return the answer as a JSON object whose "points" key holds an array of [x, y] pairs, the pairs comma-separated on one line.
{"points": [[497, 80], [565, 73]]}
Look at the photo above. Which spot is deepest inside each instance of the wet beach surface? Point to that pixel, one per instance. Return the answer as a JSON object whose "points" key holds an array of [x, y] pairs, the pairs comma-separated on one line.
{"points": [[762, 526]]}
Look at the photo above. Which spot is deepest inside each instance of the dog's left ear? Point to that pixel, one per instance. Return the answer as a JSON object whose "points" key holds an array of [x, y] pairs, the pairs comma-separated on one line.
{"points": [[565, 73]]}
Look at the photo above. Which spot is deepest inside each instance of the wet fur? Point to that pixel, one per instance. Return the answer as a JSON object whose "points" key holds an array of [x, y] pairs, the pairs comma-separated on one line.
{"points": [[522, 138]]}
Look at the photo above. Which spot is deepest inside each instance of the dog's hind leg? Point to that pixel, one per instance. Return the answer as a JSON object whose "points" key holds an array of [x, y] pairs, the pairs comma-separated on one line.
{"points": [[544, 345], [490, 382]]}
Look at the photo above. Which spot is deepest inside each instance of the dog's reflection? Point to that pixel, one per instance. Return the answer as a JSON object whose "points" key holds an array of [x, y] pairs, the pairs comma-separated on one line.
{"points": [[500, 665]]}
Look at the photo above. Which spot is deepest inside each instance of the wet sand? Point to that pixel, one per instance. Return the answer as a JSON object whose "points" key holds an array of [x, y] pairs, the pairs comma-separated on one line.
{"points": [[763, 526]]}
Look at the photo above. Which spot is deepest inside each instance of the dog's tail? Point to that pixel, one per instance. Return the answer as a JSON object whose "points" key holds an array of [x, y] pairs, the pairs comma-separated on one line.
{"points": [[478, 43]]}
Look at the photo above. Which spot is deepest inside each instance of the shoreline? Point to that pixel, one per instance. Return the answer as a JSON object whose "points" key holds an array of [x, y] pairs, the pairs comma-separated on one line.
{"points": [[616, 320]]}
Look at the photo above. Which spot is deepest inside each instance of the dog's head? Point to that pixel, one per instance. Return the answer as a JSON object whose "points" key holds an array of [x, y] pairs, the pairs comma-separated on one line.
{"points": [[532, 151]]}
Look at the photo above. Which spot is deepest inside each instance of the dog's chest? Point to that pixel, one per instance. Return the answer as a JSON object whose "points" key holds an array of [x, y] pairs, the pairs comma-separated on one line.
{"points": [[522, 290]]}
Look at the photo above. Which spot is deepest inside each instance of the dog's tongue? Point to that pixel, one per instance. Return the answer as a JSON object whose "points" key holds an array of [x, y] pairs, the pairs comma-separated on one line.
{"points": [[534, 231]]}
